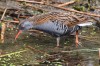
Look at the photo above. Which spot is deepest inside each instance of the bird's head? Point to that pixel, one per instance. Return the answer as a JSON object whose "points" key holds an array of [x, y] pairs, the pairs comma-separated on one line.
{"points": [[24, 26]]}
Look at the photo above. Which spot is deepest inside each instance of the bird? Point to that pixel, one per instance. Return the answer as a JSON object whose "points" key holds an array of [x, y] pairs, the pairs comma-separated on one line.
{"points": [[57, 24]]}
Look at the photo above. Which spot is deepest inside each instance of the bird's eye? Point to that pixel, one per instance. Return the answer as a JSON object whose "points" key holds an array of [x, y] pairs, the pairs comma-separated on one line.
{"points": [[22, 25]]}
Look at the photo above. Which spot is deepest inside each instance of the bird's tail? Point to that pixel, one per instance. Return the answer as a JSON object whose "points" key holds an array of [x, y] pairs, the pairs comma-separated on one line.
{"points": [[97, 24], [86, 24]]}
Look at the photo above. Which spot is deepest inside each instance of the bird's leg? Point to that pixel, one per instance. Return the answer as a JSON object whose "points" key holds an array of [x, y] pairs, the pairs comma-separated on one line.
{"points": [[58, 41], [76, 40]]}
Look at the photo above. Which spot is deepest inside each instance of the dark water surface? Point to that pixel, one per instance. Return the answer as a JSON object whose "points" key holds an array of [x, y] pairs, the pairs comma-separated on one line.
{"points": [[43, 43]]}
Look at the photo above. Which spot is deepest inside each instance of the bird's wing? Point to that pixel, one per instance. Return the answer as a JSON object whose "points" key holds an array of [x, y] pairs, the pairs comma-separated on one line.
{"points": [[70, 19], [66, 18], [40, 19]]}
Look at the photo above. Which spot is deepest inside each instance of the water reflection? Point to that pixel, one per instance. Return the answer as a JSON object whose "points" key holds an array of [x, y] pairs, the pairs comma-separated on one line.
{"points": [[90, 62]]}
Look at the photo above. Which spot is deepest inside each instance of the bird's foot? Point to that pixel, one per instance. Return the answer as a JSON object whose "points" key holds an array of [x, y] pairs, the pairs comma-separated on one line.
{"points": [[57, 48], [79, 44]]}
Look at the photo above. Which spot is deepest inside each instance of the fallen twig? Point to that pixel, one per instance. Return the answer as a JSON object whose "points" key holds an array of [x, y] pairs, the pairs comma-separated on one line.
{"points": [[95, 19], [34, 49], [3, 14], [3, 28], [11, 21], [13, 53], [3, 32], [28, 1], [82, 50], [35, 31], [99, 55], [48, 2], [67, 3]]}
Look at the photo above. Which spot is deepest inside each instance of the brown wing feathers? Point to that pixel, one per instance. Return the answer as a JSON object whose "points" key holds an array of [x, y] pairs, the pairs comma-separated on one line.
{"points": [[76, 20], [40, 19], [67, 18]]}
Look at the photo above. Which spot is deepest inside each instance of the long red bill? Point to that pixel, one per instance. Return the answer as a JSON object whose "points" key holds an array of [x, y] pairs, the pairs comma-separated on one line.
{"points": [[20, 31]]}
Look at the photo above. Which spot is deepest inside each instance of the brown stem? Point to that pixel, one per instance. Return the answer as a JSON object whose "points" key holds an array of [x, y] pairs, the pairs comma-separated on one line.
{"points": [[3, 32], [3, 14], [67, 3]]}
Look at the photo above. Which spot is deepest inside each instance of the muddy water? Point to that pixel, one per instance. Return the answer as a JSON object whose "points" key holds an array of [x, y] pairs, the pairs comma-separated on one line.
{"points": [[89, 38], [91, 41]]}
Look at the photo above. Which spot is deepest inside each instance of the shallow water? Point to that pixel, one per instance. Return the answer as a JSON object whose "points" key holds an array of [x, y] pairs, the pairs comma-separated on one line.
{"points": [[90, 40]]}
